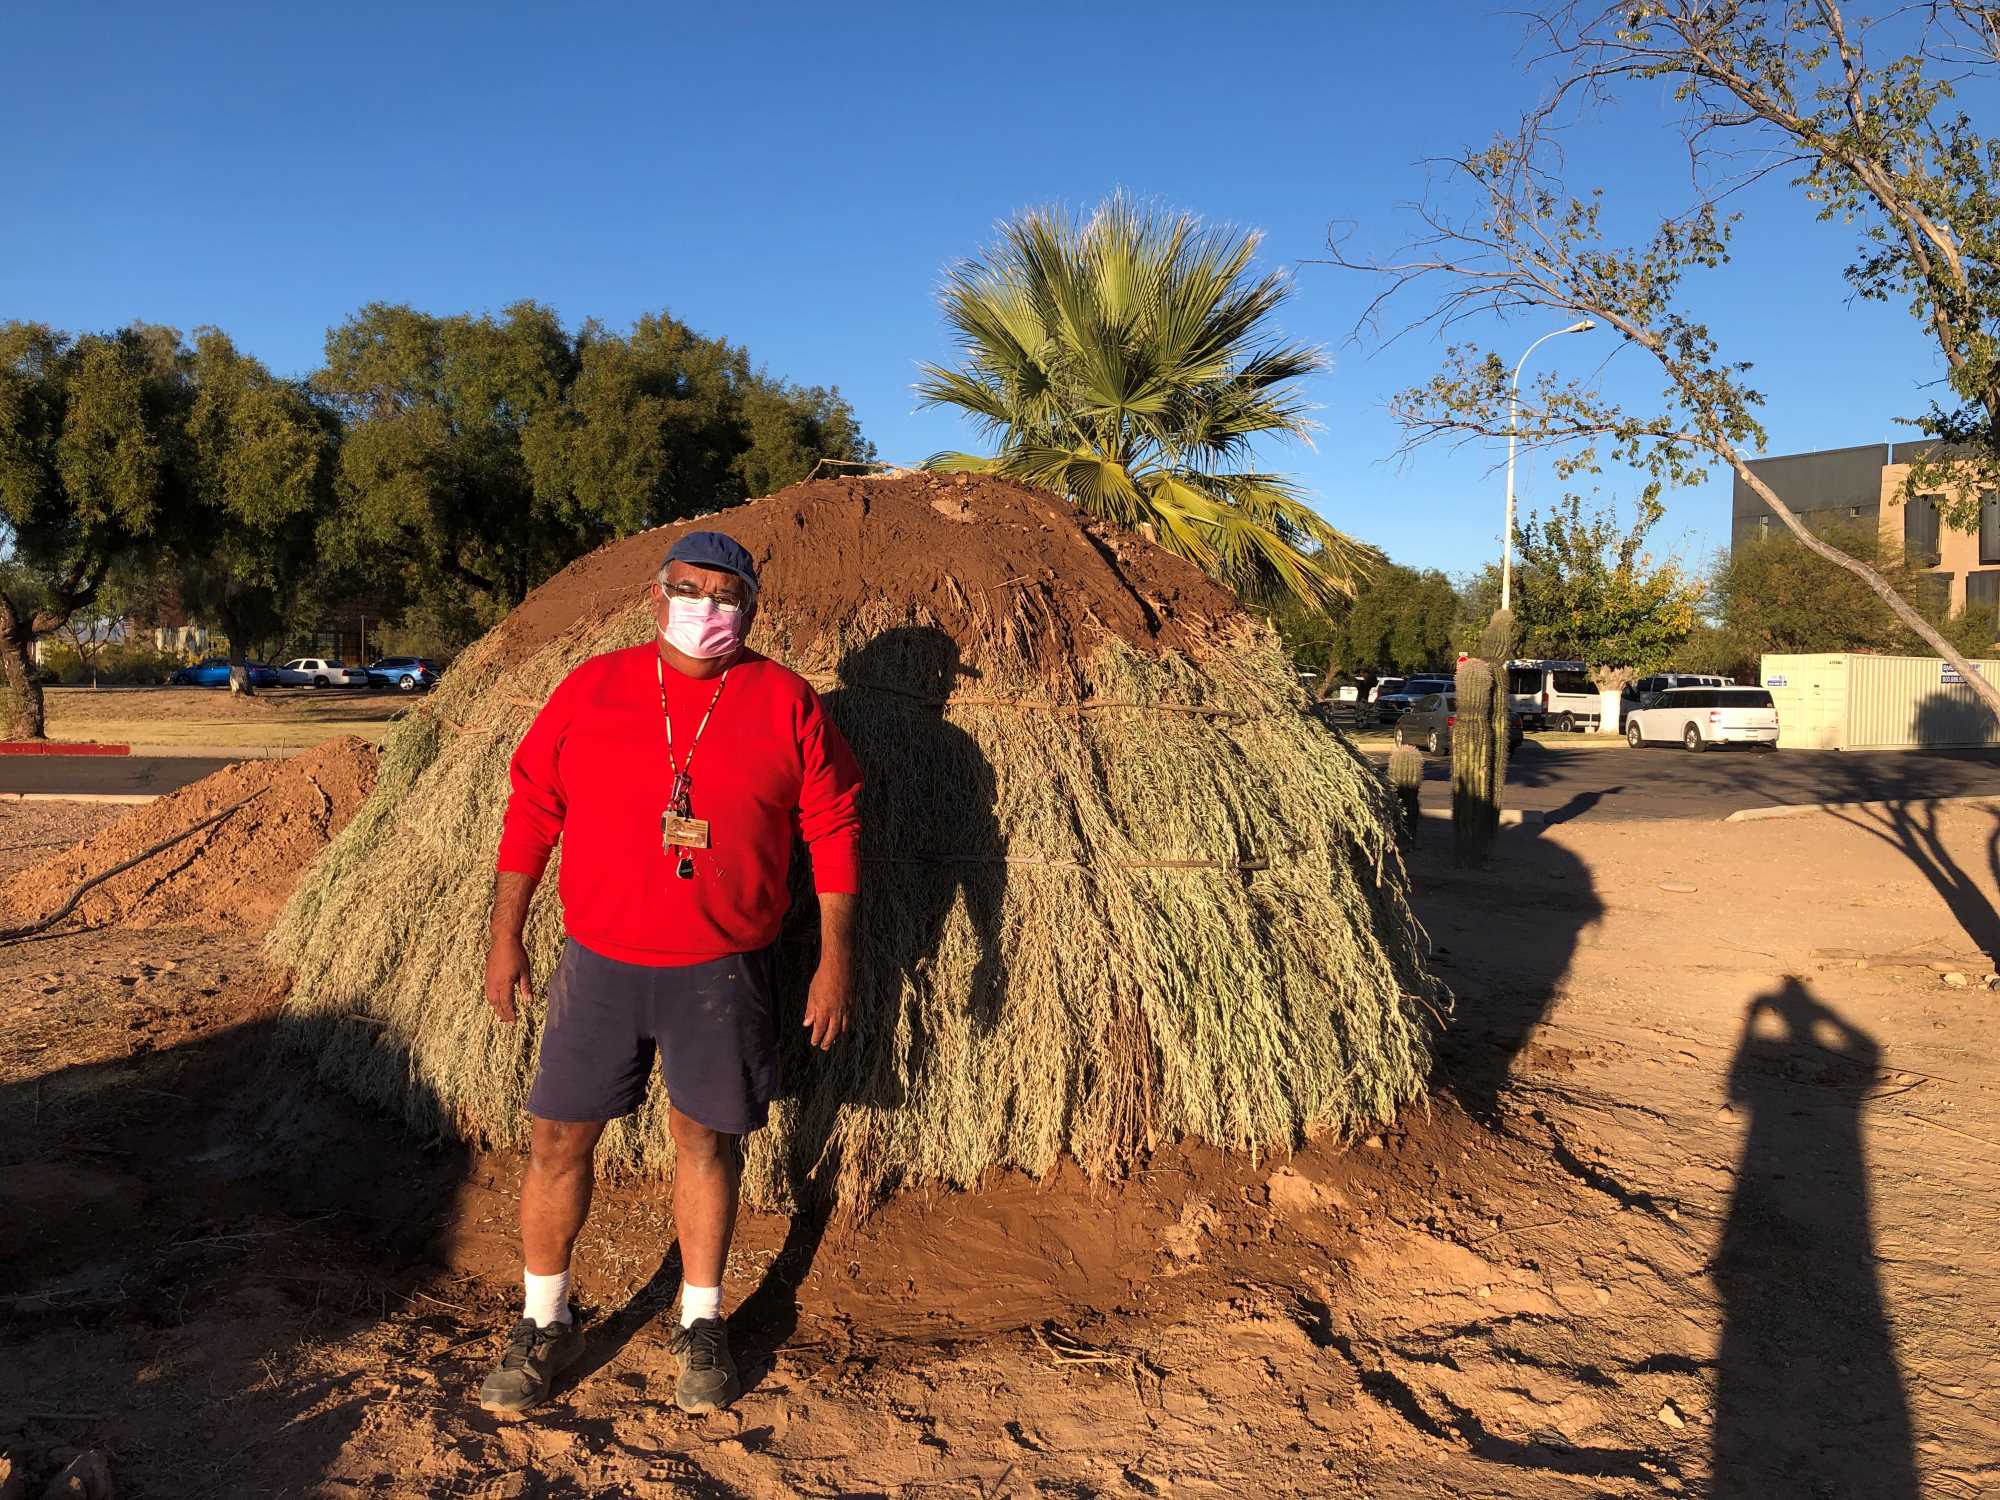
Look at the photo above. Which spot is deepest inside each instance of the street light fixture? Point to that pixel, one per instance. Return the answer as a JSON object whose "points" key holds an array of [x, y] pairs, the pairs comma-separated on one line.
{"points": [[1582, 325]]}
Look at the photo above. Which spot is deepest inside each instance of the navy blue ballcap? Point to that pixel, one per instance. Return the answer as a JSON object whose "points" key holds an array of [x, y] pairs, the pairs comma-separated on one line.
{"points": [[711, 549]]}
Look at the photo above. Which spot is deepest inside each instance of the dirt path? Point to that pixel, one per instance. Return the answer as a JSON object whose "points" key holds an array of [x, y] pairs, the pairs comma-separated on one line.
{"points": [[1727, 1231]]}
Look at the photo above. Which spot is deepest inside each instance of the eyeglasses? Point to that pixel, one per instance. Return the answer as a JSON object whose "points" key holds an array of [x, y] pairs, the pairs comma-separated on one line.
{"points": [[729, 603]]}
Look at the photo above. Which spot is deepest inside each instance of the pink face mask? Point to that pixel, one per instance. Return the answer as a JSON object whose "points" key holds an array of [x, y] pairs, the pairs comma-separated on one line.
{"points": [[697, 628]]}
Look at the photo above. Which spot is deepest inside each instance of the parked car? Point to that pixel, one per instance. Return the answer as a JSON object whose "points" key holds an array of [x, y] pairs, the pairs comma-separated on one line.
{"points": [[1638, 692], [407, 674], [1429, 724], [1391, 705], [1553, 694], [319, 672], [1702, 717], [1377, 688], [214, 672]]}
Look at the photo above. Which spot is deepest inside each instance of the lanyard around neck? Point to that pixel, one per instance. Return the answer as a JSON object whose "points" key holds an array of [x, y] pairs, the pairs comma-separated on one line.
{"points": [[666, 713]]}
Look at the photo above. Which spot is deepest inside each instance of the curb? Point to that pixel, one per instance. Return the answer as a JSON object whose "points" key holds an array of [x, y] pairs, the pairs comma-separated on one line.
{"points": [[1510, 817], [1378, 743], [61, 747], [129, 798], [1800, 809]]}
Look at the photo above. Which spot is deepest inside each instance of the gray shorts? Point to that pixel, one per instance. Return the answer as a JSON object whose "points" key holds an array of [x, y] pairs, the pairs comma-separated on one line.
{"points": [[714, 1026]]}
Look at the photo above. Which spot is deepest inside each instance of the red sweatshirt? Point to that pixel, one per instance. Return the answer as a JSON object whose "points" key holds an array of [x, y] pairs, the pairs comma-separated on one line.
{"points": [[593, 771]]}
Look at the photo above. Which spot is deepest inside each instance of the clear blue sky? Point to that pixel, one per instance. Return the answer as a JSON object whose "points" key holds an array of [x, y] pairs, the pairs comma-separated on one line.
{"points": [[797, 177]]}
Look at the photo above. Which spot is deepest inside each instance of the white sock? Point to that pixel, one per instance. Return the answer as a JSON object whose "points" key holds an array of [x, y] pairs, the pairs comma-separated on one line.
{"points": [[548, 1298], [699, 1302]]}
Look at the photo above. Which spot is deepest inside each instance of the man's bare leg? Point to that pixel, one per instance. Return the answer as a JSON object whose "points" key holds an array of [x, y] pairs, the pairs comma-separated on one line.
{"points": [[706, 1177], [555, 1193], [555, 1200]]}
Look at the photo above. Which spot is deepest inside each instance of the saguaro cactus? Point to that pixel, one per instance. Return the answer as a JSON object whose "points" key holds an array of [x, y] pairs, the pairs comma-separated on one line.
{"points": [[1406, 778], [1478, 760], [1496, 646], [1496, 641]]}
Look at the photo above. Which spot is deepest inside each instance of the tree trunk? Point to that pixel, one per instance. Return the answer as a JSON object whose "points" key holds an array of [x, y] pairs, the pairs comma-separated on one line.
{"points": [[239, 656], [1326, 678], [24, 712]]}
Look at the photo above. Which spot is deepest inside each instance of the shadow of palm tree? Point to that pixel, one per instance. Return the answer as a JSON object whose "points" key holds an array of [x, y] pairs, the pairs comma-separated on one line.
{"points": [[1809, 1397]]}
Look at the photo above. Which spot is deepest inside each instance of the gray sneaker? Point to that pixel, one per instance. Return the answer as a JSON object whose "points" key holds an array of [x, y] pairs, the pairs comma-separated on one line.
{"points": [[708, 1370], [520, 1382]]}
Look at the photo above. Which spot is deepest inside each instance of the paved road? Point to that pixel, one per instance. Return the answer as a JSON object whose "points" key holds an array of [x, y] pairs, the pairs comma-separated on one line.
{"points": [[1612, 782], [103, 773], [1665, 782]]}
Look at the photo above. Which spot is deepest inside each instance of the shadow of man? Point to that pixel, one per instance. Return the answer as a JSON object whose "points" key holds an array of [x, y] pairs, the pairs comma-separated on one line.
{"points": [[211, 1195], [1809, 1398], [929, 839]]}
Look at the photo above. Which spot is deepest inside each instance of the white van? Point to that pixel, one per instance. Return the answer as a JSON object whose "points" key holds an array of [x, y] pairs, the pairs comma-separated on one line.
{"points": [[1553, 694], [1701, 717]]}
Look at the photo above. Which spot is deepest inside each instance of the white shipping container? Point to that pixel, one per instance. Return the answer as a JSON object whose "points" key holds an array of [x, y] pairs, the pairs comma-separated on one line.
{"points": [[1851, 700]]}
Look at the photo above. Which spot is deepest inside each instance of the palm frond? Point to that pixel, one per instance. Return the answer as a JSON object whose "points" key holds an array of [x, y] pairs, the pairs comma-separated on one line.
{"points": [[1128, 362], [962, 463]]}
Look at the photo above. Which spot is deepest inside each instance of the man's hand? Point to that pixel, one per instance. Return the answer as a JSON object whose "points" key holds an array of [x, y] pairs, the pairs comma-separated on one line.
{"points": [[507, 974], [830, 1001], [507, 971]]}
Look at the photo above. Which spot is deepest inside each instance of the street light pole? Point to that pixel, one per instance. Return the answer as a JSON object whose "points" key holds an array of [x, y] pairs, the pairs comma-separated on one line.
{"points": [[1583, 325]]}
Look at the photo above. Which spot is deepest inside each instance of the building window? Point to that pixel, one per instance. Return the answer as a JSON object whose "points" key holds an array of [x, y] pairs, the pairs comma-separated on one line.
{"points": [[1989, 527], [1982, 601], [1920, 530]]}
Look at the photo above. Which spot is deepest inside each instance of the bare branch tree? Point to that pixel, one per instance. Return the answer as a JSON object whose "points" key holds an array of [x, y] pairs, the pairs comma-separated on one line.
{"points": [[1883, 147], [1879, 147]]}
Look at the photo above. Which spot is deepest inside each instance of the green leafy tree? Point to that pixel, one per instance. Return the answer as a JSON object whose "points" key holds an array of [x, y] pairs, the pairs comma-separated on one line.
{"points": [[1478, 602], [1401, 621], [1589, 590], [484, 454], [1876, 143], [1311, 634], [1772, 595], [260, 458], [92, 467], [1128, 363]]}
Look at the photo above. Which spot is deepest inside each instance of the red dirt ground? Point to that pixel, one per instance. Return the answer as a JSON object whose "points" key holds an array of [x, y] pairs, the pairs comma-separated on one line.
{"points": [[1702, 1205], [231, 877], [985, 556]]}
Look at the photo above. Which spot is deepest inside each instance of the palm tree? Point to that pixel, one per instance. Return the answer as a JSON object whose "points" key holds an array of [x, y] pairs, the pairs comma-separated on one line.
{"points": [[1128, 363]]}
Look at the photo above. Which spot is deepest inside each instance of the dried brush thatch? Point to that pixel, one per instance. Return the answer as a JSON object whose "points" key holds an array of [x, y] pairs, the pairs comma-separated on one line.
{"points": [[1120, 888]]}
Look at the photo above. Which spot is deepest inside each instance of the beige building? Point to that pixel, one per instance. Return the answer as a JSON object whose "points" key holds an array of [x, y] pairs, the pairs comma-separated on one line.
{"points": [[1863, 487]]}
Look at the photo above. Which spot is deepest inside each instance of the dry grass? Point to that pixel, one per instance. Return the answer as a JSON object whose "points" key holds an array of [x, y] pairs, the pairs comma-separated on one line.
{"points": [[1083, 932], [283, 718]]}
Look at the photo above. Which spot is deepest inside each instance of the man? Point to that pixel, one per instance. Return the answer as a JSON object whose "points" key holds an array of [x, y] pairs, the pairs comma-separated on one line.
{"points": [[675, 772]]}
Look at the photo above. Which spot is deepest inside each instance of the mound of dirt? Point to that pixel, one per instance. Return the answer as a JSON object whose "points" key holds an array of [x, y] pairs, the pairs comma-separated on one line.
{"points": [[234, 875], [985, 556]]}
